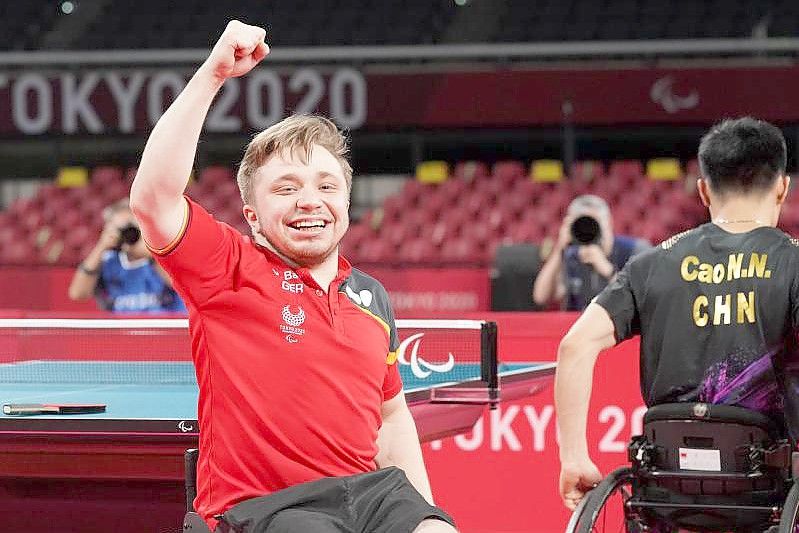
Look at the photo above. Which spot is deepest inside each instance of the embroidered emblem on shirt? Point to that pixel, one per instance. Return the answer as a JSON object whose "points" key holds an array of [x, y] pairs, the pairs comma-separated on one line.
{"points": [[293, 321]]}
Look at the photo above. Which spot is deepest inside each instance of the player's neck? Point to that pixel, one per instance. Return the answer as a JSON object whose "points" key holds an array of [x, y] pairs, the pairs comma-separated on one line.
{"points": [[325, 272], [739, 215]]}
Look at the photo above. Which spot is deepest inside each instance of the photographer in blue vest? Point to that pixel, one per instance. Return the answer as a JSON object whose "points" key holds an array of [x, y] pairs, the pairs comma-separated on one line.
{"points": [[585, 256], [119, 271]]}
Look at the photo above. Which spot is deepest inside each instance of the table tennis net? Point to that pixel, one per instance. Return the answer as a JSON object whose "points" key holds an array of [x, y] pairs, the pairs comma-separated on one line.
{"points": [[159, 351]]}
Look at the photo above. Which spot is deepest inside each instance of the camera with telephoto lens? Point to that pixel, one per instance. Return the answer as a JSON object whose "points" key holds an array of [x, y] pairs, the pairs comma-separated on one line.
{"points": [[129, 234], [585, 230]]}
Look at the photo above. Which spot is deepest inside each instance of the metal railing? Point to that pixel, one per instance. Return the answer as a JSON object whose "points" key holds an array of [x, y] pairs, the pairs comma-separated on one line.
{"points": [[743, 47]]}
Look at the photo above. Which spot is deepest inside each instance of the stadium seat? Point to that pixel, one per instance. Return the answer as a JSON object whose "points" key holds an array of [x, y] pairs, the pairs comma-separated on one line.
{"points": [[375, 250], [508, 171], [470, 170], [18, 253], [626, 170], [216, 174], [72, 177], [106, 174], [413, 191], [588, 171], [692, 170], [461, 250], [432, 172], [417, 250], [546, 170], [664, 169]]}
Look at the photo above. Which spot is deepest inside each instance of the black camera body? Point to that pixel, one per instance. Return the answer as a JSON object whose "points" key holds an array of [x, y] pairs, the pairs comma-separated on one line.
{"points": [[586, 230], [129, 235]]}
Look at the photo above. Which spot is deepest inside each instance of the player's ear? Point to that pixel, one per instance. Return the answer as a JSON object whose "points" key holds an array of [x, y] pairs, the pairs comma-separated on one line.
{"points": [[251, 216], [704, 191], [783, 186]]}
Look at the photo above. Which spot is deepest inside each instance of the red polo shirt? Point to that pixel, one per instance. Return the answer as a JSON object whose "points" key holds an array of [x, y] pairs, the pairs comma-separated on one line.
{"points": [[292, 377]]}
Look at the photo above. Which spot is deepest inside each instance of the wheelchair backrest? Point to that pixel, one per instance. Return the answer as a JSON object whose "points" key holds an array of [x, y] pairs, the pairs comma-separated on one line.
{"points": [[705, 437]]}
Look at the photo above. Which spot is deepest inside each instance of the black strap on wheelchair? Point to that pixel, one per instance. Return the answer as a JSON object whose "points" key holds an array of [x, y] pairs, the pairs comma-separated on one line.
{"points": [[712, 413]]}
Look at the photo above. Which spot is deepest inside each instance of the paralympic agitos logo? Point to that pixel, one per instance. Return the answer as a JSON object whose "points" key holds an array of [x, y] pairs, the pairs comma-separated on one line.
{"points": [[421, 368]]}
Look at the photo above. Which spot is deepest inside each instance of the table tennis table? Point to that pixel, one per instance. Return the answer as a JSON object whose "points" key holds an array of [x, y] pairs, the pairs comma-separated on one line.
{"points": [[138, 443], [158, 400]]}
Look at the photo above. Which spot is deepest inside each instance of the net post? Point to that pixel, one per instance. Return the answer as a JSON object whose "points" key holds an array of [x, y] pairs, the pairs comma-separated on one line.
{"points": [[489, 361]]}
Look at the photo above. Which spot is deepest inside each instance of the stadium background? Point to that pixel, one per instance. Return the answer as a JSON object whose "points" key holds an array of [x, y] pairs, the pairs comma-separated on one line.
{"points": [[473, 124]]}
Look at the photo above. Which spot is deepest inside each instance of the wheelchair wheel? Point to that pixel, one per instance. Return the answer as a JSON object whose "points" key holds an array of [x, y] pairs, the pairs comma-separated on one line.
{"points": [[789, 520], [604, 508]]}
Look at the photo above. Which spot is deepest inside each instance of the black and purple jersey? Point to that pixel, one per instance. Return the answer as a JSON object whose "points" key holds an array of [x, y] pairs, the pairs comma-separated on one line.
{"points": [[717, 313]]}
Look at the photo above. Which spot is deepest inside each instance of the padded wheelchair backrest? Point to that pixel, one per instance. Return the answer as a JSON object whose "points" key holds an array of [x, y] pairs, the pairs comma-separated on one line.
{"points": [[690, 436]]}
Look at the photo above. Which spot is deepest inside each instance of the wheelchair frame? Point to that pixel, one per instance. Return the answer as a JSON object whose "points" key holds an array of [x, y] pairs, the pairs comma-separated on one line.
{"points": [[751, 488]]}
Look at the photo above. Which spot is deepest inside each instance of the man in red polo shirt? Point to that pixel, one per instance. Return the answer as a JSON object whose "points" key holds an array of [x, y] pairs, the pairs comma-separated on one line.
{"points": [[303, 426]]}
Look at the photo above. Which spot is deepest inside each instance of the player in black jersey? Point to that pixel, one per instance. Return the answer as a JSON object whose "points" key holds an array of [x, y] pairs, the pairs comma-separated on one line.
{"points": [[716, 306]]}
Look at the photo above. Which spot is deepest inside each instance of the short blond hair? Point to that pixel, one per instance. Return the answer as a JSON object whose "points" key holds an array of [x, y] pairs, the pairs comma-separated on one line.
{"points": [[294, 135]]}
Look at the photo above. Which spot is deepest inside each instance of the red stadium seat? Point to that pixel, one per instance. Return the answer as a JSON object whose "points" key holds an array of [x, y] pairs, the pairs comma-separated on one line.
{"points": [[470, 171], [106, 174], [216, 174], [588, 171], [440, 201], [392, 209], [376, 250], [80, 236], [392, 232], [461, 249], [31, 220], [416, 251], [111, 192], [508, 171], [692, 170], [18, 253], [480, 233], [413, 191], [626, 170], [453, 187], [441, 231]]}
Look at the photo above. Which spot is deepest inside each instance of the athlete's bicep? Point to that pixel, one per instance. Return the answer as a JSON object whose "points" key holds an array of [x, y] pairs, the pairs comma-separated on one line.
{"points": [[619, 303], [162, 224], [594, 329]]}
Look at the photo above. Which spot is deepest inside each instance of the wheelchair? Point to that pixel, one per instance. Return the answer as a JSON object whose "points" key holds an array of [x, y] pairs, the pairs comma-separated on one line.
{"points": [[192, 522], [698, 467]]}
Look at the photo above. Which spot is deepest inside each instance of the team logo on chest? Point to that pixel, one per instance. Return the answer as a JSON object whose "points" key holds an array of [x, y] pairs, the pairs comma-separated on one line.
{"points": [[293, 320]]}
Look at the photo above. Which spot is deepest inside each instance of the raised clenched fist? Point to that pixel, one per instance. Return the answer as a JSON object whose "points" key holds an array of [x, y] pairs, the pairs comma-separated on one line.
{"points": [[238, 50]]}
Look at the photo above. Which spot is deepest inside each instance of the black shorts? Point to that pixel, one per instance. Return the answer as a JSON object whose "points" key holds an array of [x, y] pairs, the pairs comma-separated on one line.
{"points": [[383, 501]]}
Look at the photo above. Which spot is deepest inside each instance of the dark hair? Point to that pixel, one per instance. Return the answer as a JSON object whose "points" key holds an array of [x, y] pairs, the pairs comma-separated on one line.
{"points": [[742, 155]]}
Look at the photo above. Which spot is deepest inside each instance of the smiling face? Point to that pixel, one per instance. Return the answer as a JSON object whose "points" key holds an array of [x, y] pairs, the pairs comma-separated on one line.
{"points": [[300, 210]]}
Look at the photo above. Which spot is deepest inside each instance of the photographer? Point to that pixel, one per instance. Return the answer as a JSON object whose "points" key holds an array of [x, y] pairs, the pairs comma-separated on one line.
{"points": [[120, 272], [585, 257]]}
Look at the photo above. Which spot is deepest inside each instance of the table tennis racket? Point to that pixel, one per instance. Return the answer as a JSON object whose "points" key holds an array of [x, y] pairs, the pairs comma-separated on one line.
{"points": [[21, 409]]}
